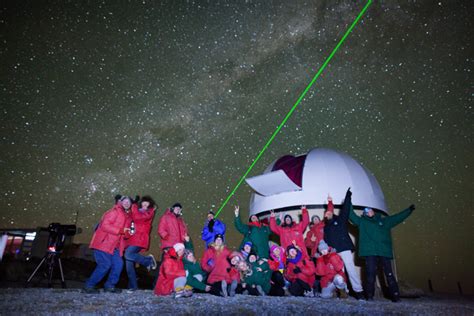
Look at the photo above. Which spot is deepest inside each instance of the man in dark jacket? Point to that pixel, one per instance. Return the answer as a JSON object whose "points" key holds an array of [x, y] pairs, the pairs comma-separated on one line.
{"points": [[375, 244], [336, 234]]}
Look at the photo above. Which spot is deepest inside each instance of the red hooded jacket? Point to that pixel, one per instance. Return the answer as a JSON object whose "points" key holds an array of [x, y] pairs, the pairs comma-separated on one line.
{"points": [[171, 268], [109, 234], [318, 232], [307, 273], [142, 221], [171, 229], [328, 267], [294, 232], [216, 264]]}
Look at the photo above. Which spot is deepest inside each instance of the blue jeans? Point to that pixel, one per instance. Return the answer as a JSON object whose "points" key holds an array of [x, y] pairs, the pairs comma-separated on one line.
{"points": [[106, 262], [133, 256]]}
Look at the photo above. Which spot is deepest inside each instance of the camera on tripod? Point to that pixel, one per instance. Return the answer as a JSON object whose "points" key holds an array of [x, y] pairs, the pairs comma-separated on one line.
{"points": [[57, 236], [56, 239]]}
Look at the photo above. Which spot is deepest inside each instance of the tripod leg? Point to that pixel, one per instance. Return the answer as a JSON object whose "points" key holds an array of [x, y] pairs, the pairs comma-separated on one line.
{"points": [[36, 270], [63, 283], [51, 264]]}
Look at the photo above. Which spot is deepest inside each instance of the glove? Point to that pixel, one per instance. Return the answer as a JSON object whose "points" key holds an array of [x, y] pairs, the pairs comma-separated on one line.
{"points": [[297, 270], [348, 193], [412, 207], [210, 226], [117, 197], [210, 262]]}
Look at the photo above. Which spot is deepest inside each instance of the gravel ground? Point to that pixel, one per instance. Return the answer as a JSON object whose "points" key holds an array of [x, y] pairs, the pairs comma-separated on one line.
{"points": [[42, 301]]}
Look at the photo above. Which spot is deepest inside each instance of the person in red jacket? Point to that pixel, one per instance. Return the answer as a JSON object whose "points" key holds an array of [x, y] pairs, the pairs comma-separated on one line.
{"points": [[172, 228], [172, 277], [142, 218], [108, 243], [235, 286], [330, 267], [290, 232], [314, 235], [214, 261], [299, 271]]}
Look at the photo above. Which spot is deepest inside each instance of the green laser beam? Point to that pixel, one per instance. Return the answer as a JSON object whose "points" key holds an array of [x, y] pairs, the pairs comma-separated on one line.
{"points": [[303, 94]]}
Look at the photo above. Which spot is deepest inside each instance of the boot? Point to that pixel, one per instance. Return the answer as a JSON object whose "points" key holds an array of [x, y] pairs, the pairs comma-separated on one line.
{"points": [[342, 293]]}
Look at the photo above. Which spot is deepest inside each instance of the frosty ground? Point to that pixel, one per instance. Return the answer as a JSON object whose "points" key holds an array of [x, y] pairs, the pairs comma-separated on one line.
{"points": [[71, 301]]}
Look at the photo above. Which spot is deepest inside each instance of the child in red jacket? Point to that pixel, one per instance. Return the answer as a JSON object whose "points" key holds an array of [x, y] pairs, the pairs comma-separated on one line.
{"points": [[330, 267]]}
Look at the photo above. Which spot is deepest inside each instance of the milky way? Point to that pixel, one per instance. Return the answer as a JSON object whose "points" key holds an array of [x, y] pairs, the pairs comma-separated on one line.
{"points": [[175, 99]]}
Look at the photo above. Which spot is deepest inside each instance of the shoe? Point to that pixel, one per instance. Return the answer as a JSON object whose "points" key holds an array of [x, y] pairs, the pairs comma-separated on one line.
{"points": [[188, 291], [342, 293], [260, 291], [90, 290], [179, 294], [153, 265], [113, 290], [396, 299], [308, 294], [224, 288], [130, 291], [359, 296]]}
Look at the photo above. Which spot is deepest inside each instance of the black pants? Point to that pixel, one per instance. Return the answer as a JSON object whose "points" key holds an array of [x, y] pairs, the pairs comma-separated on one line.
{"points": [[277, 284], [371, 263], [251, 290], [216, 288], [298, 288]]}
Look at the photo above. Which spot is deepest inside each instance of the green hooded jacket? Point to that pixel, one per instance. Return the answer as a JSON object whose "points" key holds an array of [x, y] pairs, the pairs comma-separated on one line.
{"points": [[256, 234], [261, 278], [192, 269], [374, 232]]}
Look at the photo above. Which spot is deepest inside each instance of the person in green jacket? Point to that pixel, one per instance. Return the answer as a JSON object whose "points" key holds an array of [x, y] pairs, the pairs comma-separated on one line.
{"points": [[195, 276], [254, 277], [375, 245], [255, 232]]}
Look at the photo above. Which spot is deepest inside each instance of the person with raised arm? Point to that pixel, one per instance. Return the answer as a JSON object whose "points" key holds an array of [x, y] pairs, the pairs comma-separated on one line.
{"points": [[375, 245], [212, 227], [290, 232], [256, 232], [336, 234]]}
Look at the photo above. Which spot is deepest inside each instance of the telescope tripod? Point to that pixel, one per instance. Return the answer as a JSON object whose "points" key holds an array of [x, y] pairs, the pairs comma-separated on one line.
{"points": [[51, 259]]}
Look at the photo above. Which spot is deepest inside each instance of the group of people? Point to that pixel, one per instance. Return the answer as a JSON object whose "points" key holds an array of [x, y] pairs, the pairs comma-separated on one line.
{"points": [[305, 262]]}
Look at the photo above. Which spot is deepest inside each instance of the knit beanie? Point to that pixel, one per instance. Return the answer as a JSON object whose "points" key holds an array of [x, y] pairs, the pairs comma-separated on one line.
{"points": [[179, 246], [323, 246]]}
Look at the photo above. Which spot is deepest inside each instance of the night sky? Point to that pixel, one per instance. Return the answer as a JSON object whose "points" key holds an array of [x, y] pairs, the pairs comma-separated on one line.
{"points": [[175, 99]]}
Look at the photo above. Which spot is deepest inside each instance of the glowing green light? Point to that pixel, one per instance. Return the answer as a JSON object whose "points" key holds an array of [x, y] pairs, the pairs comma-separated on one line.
{"points": [[303, 94]]}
